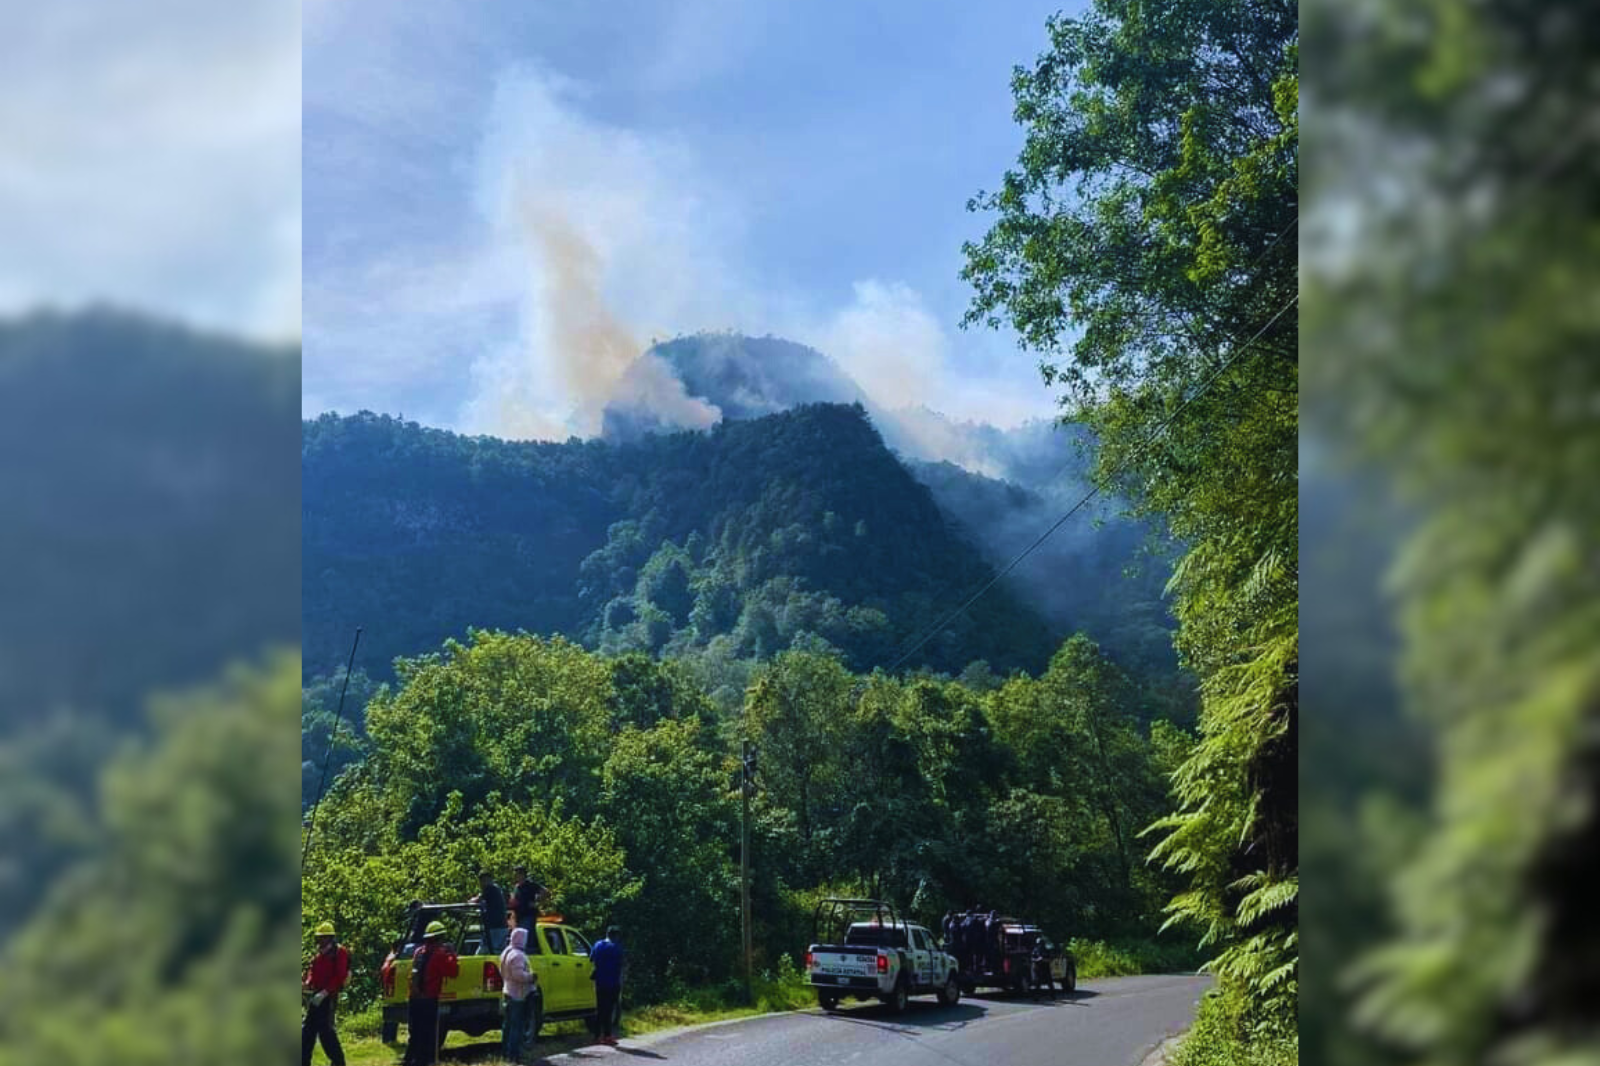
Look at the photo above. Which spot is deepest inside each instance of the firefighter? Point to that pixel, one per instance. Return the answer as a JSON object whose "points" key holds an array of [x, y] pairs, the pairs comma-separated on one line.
{"points": [[434, 962], [993, 930], [329, 970]]}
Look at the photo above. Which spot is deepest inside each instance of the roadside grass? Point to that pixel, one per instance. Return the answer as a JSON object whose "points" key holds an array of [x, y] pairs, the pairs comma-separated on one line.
{"points": [[1097, 958], [1223, 1036], [781, 991]]}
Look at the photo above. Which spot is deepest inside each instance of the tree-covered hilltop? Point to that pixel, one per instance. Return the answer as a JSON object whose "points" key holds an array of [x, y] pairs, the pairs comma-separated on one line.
{"points": [[721, 547]]}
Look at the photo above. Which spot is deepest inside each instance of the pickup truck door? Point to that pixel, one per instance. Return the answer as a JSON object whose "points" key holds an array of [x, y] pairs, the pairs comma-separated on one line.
{"points": [[922, 958], [583, 995], [555, 973]]}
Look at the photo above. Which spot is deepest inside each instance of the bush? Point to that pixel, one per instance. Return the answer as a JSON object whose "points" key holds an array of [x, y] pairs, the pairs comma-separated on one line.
{"points": [[1225, 1034], [1097, 958]]}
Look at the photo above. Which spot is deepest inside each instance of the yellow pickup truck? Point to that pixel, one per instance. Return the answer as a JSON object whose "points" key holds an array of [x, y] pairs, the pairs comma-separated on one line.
{"points": [[471, 1001]]}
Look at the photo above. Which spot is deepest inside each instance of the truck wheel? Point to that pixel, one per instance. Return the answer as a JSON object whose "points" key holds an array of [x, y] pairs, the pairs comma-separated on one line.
{"points": [[950, 994], [1069, 982], [1024, 983], [390, 1033], [899, 997], [827, 1000]]}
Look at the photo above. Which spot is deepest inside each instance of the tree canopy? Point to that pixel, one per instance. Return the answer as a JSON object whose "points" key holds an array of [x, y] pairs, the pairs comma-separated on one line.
{"points": [[1141, 247]]}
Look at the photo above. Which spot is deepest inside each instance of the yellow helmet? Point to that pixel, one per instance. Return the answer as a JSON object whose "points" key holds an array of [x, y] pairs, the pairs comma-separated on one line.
{"points": [[434, 929], [325, 929]]}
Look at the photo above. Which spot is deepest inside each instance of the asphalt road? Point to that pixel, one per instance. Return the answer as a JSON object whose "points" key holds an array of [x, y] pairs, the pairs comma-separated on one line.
{"points": [[1113, 1022]]}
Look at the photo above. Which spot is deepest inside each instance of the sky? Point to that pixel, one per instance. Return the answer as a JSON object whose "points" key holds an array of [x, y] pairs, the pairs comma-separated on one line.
{"points": [[152, 161], [480, 181]]}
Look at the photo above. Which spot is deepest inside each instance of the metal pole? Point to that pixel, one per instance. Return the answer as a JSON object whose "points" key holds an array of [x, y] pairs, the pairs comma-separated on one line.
{"points": [[744, 863]]}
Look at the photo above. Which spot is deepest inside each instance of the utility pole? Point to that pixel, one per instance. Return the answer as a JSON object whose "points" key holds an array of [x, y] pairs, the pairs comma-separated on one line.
{"points": [[747, 784]]}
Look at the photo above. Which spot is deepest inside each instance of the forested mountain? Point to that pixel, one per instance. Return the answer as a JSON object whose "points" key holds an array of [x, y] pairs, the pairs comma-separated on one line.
{"points": [[724, 546], [1099, 573], [145, 524], [1001, 487], [148, 521]]}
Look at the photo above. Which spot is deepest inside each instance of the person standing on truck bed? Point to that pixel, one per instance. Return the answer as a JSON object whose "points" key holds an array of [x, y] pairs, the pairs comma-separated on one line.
{"points": [[607, 957], [972, 946], [491, 899], [994, 932], [525, 897], [433, 963], [329, 970], [519, 981]]}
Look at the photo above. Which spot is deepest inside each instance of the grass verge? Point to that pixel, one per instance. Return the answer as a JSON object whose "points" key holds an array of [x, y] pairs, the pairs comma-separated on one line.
{"points": [[783, 991], [1222, 1035]]}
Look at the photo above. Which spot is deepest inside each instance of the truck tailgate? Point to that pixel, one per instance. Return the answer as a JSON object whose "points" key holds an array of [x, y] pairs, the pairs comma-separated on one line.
{"points": [[844, 964]]}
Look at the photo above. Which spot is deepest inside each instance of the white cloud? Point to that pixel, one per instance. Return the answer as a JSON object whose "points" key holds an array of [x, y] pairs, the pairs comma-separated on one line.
{"points": [[153, 159]]}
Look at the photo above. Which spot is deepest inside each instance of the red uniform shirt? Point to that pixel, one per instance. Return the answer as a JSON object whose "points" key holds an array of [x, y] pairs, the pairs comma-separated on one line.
{"points": [[329, 971], [435, 964]]}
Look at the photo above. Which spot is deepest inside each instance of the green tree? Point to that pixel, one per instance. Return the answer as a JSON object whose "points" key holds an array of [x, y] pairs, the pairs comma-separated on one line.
{"points": [[519, 715], [795, 712], [666, 791], [196, 844], [1456, 339], [1141, 248]]}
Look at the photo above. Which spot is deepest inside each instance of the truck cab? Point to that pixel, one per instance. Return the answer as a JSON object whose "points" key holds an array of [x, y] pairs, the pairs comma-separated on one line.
{"points": [[863, 950], [471, 1002]]}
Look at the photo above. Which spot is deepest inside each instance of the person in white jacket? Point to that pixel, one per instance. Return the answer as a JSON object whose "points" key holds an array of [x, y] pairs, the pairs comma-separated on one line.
{"points": [[519, 984]]}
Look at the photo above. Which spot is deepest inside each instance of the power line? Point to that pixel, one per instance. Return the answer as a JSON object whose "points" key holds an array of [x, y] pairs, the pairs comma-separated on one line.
{"points": [[1257, 261], [1160, 427], [333, 737]]}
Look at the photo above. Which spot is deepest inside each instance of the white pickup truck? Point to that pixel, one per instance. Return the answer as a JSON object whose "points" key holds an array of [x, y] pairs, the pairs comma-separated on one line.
{"points": [[878, 956]]}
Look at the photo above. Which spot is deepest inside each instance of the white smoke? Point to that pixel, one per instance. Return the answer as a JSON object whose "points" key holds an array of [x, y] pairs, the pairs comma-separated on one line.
{"points": [[596, 220], [608, 239]]}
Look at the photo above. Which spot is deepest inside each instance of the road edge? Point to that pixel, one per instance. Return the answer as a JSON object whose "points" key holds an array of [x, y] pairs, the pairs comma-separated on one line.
{"points": [[1162, 1053]]}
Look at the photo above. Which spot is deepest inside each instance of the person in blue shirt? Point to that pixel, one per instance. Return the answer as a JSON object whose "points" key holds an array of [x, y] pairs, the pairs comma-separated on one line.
{"points": [[608, 958]]}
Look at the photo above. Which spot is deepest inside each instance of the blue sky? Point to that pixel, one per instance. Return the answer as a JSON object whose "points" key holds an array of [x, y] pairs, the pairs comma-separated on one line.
{"points": [[504, 201]]}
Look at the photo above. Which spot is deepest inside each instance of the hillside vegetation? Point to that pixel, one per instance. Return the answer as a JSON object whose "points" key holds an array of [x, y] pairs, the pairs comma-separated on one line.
{"points": [[723, 546], [614, 780]]}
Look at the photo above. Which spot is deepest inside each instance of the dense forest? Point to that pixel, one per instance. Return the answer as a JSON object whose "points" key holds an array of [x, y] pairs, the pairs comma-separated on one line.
{"points": [[151, 532], [582, 634], [1140, 247], [614, 780], [723, 547]]}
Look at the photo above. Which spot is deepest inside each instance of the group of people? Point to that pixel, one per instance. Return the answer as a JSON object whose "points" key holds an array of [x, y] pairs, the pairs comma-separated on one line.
{"points": [[501, 915], [509, 922], [976, 939]]}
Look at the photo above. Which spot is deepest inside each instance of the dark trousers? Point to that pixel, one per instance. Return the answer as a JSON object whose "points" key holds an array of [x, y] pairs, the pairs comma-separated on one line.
{"points": [[319, 1024], [514, 1028], [605, 1001], [422, 1030]]}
